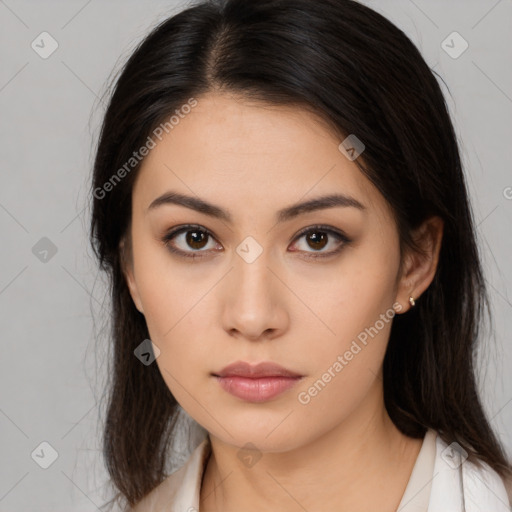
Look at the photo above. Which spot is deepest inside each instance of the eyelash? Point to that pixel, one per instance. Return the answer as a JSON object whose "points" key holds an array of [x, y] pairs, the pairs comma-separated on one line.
{"points": [[167, 239]]}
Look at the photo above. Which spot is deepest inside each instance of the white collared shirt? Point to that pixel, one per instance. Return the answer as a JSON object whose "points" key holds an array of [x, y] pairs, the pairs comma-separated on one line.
{"points": [[441, 481]]}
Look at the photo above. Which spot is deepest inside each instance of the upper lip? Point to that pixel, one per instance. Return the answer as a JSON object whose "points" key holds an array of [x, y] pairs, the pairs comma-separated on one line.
{"points": [[265, 369]]}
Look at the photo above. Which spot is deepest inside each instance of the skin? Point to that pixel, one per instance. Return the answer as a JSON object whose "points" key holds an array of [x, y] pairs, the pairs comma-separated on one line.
{"points": [[340, 451]]}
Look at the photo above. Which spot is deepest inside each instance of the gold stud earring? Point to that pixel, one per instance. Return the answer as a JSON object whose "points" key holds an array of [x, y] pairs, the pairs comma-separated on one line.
{"points": [[412, 302]]}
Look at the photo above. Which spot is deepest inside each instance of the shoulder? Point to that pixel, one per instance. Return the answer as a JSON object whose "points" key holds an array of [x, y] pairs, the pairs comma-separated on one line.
{"points": [[483, 485], [458, 480], [161, 495], [179, 492]]}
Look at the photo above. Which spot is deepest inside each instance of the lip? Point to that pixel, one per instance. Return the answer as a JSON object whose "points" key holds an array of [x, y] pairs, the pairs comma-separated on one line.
{"points": [[255, 371], [256, 383]]}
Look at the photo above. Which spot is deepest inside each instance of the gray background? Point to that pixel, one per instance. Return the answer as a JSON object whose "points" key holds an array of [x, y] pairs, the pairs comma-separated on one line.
{"points": [[53, 306]]}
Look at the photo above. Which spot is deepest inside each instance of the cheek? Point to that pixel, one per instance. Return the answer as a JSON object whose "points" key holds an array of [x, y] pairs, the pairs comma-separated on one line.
{"points": [[173, 327], [174, 310], [173, 319], [345, 366], [356, 295], [160, 287], [355, 308]]}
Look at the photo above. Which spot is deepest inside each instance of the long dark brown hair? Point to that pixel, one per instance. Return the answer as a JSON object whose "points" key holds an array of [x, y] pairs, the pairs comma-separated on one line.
{"points": [[363, 76]]}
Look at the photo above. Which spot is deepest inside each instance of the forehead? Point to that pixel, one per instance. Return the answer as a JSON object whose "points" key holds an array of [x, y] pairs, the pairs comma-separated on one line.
{"points": [[229, 148]]}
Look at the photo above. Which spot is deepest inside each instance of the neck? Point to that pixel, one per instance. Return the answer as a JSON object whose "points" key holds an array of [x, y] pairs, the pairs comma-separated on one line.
{"points": [[362, 464]]}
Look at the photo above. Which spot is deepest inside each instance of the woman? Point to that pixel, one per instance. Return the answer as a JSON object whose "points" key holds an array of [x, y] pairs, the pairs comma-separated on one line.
{"points": [[279, 203]]}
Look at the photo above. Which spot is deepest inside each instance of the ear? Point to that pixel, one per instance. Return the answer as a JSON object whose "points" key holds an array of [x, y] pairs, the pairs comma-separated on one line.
{"points": [[126, 258], [419, 268]]}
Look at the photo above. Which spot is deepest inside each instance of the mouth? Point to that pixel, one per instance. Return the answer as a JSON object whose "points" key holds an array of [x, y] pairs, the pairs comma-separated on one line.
{"points": [[256, 383]]}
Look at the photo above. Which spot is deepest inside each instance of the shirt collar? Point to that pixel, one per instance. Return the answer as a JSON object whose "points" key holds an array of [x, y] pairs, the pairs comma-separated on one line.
{"points": [[456, 485], [187, 485]]}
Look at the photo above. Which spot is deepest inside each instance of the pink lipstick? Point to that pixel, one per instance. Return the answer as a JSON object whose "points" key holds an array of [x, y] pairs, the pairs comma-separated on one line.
{"points": [[256, 383]]}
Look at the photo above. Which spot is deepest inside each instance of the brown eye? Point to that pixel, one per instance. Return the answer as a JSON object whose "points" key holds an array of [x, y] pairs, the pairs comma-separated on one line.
{"points": [[188, 241], [317, 240], [196, 239]]}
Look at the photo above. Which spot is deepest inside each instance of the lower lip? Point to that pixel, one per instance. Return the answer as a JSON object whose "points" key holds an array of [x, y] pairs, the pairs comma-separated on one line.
{"points": [[257, 390]]}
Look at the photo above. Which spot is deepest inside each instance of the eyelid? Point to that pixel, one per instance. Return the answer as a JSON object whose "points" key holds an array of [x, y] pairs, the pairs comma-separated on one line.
{"points": [[174, 232], [330, 231], [321, 227], [170, 235]]}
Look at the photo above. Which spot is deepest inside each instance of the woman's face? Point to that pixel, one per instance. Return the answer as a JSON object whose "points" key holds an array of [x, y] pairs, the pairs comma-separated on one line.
{"points": [[254, 292]]}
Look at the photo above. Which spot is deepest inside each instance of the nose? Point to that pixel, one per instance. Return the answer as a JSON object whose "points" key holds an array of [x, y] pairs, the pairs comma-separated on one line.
{"points": [[254, 302]]}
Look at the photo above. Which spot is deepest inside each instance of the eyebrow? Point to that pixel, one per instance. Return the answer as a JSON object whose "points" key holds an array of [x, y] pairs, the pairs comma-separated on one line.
{"points": [[290, 212]]}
